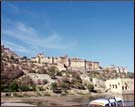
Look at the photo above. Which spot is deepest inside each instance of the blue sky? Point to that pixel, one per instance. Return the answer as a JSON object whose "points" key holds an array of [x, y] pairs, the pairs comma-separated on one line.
{"points": [[97, 31]]}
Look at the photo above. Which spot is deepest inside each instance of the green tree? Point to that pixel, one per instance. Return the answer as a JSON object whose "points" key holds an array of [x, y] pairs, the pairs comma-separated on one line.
{"points": [[14, 86]]}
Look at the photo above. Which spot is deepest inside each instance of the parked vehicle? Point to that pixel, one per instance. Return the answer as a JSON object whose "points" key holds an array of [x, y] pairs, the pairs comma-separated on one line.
{"points": [[107, 102]]}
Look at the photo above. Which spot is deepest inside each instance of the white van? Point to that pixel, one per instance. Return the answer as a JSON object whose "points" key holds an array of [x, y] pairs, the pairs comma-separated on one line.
{"points": [[107, 102]]}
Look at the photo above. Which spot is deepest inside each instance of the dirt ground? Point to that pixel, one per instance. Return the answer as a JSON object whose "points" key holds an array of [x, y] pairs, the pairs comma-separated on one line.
{"points": [[50, 100]]}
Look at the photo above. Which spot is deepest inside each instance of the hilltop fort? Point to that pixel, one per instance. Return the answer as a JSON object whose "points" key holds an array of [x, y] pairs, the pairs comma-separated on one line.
{"points": [[60, 75], [64, 62]]}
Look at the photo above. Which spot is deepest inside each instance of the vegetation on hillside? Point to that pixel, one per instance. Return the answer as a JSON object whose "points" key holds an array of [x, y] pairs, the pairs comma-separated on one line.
{"points": [[14, 76]]}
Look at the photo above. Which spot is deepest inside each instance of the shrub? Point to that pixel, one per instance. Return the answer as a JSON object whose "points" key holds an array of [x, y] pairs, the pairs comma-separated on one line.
{"points": [[14, 86], [59, 74], [41, 88], [12, 57], [24, 88], [53, 70], [39, 94], [54, 86], [65, 86], [81, 87], [26, 84], [45, 81], [90, 87], [17, 95], [63, 71], [32, 71], [47, 94], [42, 71], [53, 77], [7, 78]]}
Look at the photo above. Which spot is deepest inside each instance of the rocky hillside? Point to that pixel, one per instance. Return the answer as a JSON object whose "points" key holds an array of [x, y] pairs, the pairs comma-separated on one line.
{"points": [[20, 74]]}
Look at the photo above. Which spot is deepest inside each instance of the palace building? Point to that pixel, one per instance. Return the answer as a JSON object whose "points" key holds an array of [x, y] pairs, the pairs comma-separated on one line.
{"points": [[63, 62]]}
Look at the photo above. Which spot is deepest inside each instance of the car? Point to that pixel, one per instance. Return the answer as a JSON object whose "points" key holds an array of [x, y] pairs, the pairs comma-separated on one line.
{"points": [[112, 101]]}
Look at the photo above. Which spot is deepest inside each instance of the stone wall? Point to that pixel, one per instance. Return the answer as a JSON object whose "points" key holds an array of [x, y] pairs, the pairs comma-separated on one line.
{"points": [[74, 63]]}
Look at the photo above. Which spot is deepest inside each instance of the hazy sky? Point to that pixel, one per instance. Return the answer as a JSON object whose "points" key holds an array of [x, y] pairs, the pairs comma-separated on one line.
{"points": [[97, 31]]}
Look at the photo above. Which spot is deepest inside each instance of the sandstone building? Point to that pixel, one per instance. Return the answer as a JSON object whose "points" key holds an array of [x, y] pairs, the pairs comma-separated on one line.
{"points": [[63, 62], [117, 69], [120, 85]]}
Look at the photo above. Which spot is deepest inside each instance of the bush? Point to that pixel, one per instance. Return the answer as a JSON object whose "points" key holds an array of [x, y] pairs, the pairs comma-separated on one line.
{"points": [[90, 87], [26, 84], [47, 94], [39, 94], [63, 71], [14, 86], [41, 88], [32, 88], [32, 71], [54, 86], [12, 57], [17, 95], [81, 87], [59, 74], [7, 78], [53, 71], [53, 77], [42, 71], [65, 86], [24, 88], [45, 81]]}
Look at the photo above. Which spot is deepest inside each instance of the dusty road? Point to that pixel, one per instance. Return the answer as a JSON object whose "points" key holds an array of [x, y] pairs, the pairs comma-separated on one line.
{"points": [[51, 100]]}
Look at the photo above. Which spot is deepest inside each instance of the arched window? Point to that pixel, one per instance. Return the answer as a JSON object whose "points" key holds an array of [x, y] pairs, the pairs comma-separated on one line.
{"points": [[125, 87], [122, 87]]}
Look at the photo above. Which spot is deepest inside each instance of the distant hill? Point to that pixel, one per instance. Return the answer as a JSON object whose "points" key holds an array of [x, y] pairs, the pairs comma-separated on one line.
{"points": [[20, 74]]}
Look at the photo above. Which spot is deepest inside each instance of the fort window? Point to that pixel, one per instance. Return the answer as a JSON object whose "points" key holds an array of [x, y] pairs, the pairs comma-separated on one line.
{"points": [[122, 87], [113, 86], [125, 87], [116, 86]]}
